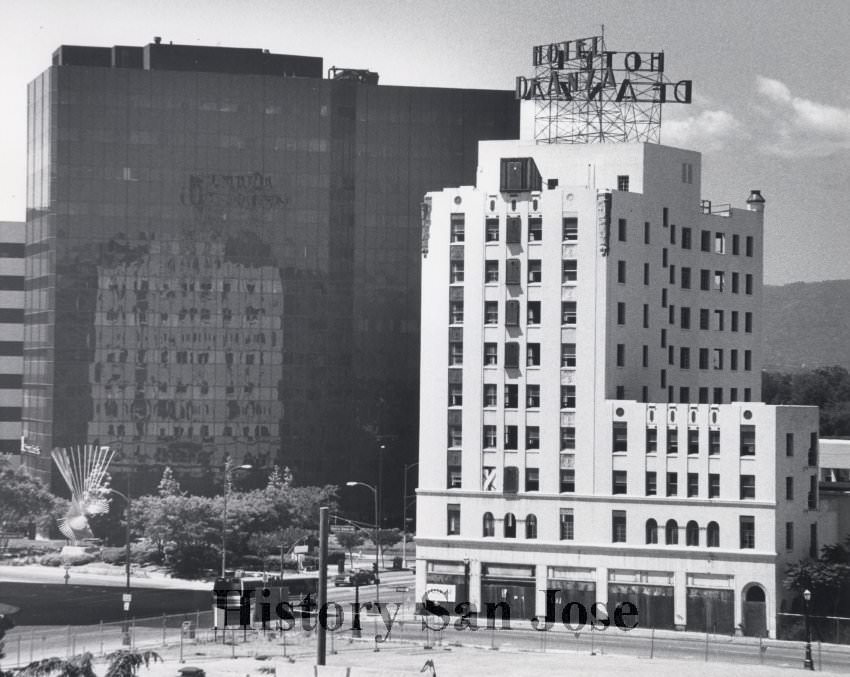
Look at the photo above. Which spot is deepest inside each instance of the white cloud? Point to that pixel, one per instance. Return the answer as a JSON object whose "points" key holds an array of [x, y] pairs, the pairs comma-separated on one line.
{"points": [[796, 126], [709, 130]]}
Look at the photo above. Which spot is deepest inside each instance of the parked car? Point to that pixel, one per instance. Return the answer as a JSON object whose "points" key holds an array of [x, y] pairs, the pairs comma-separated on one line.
{"points": [[358, 577]]}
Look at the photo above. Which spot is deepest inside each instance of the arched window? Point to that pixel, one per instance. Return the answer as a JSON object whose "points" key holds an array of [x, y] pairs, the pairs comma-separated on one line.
{"points": [[510, 525], [712, 535], [692, 533], [651, 531], [671, 533], [488, 529], [531, 526]]}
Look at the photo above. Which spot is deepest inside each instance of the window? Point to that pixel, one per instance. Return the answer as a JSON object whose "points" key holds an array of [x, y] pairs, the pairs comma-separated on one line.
{"points": [[533, 315], [651, 440], [535, 229], [685, 278], [813, 540], [488, 527], [672, 233], [621, 272], [531, 526], [621, 230], [687, 172], [454, 475], [719, 278], [713, 485], [491, 312], [491, 230], [692, 533], [813, 450], [455, 312], [712, 535], [693, 484], [569, 228], [509, 526], [513, 231], [671, 314], [618, 526], [718, 320], [568, 354], [645, 356], [789, 444], [713, 442], [456, 272], [789, 535], [665, 217], [686, 238], [621, 355], [455, 394], [646, 316], [534, 270], [717, 396], [455, 436], [568, 312], [623, 182], [457, 227], [620, 393], [621, 313], [453, 519], [703, 392], [748, 487], [646, 274], [510, 437], [717, 358], [705, 240], [672, 483], [664, 257], [704, 279], [748, 284], [646, 232], [567, 480], [736, 245], [511, 355], [651, 483], [748, 531], [747, 392], [704, 315], [568, 437], [748, 323], [511, 395], [491, 354], [489, 437], [663, 378], [748, 440], [733, 392], [619, 483], [664, 297], [455, 353], [685, 358], [619, 436], [532, 436], [749, 245], [733, 359], [693, 441], [532, 355], [748, 365], [491, 271], [512, 313], [651, 532], [532, 479], [569, 270], [568, 397], [567, 525], [671, 533], [719, 243], [672, 440], [789, 488], [735, 283], [703, 358], [734, 321], [513, 271]]}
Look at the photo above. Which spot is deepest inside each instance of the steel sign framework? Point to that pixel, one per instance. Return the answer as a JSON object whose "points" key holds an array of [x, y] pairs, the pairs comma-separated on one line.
{"points": [[585, 93]]}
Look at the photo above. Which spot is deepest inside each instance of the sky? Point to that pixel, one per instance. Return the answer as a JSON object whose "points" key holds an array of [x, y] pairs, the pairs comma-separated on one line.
{"points": [[771, 107]]}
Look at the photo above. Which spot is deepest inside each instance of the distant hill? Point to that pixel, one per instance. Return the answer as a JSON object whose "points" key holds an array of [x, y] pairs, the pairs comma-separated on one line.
{"points": [[806, 325]]}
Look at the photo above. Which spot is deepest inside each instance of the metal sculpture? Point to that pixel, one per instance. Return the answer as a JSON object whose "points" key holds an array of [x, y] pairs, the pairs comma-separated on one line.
{"points": [[84, 470]]}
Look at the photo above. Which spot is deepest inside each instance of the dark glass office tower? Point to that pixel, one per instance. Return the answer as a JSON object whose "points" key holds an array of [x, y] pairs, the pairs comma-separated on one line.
{"points": [[223, 258]]}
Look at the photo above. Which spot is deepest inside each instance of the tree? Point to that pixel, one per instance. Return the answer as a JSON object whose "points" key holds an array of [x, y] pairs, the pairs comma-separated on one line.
{"points": [[123, 663], [348, 540], [168, 485], [824, 387], [24, 501], [827, 578], [389, 538]]}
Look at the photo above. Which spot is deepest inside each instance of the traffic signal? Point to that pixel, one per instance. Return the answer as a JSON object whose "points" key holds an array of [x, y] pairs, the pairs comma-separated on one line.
{"points": [[6, 623]]}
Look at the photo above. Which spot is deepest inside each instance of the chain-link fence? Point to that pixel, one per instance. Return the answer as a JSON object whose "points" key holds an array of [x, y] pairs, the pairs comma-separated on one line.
{"points": [[827, 629]]}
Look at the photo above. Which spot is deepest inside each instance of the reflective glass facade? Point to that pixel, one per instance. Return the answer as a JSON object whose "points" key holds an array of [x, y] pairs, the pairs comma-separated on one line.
{"points": [[228, 263]]}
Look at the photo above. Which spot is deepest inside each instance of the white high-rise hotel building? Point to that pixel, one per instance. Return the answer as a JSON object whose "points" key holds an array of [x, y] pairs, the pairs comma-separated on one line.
{"points": [[590, 384]]}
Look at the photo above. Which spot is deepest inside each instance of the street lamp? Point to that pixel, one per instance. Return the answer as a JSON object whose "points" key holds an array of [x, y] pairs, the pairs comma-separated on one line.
{"points": [[127, 593], [407, 467], [228, 469], [808, 663], [377, 536]]}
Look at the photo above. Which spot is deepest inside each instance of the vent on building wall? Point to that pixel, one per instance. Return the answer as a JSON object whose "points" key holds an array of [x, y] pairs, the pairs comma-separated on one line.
{"points": [[714, 416], [693, 413], [650, 415], [671, 413]]}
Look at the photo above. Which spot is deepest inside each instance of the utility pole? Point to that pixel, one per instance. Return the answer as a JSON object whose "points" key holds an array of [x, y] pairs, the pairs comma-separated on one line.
{"points": [[321, 630]]}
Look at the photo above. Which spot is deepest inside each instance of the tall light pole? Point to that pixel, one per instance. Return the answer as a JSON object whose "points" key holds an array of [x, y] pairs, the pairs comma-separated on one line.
{"points": [[377, 535], [808, 663], [127, 592], [228, 469], [407, 467]]}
